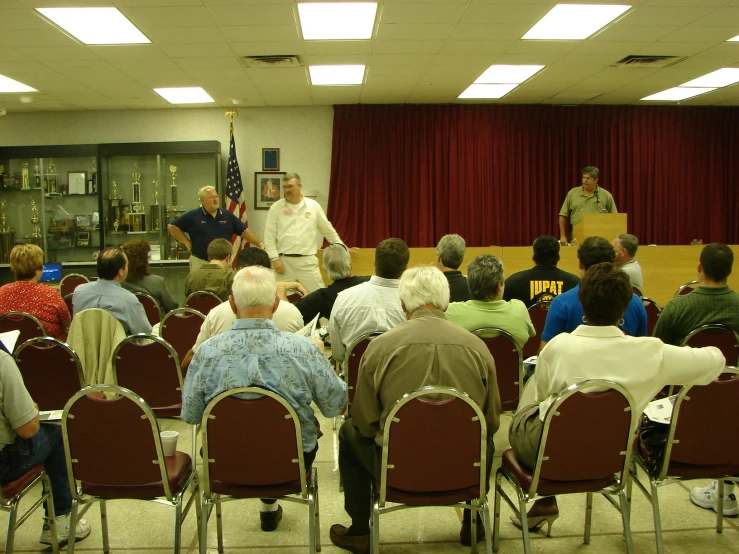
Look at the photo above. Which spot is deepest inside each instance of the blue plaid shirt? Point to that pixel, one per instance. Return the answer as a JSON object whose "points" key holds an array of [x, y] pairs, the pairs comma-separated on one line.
{"points": [[255, 353]]}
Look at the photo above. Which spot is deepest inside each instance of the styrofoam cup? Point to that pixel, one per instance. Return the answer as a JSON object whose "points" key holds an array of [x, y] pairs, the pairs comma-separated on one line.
{"points": [[169, 442]]}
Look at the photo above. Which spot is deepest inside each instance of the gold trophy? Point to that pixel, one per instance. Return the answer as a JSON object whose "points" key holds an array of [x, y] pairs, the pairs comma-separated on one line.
{"points": [[25, 181], [35, 220], [156, 209], [173, 186], [137, 206], [36, 174], [114, 191], [52, 178], [94, 177], [3, 217]]}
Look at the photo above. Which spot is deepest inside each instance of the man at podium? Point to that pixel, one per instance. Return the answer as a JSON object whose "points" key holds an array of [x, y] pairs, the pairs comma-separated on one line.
{"points": [[588, 198]]}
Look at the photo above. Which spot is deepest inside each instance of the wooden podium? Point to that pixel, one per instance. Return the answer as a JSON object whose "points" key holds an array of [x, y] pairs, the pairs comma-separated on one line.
{"points": [[599, 225]]}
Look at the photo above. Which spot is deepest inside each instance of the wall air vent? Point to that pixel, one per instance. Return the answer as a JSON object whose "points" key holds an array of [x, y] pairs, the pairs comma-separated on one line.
{"points": [[270, 61], [636, 60]]}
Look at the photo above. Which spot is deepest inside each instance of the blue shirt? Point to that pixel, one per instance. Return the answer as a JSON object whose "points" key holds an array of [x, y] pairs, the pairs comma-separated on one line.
{"points": [[565, 315], [254, 353], [111, 297], [204, 228]]}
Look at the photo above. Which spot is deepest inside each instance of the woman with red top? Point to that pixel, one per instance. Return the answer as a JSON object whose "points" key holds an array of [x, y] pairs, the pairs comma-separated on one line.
{"points": [[28, 295]]}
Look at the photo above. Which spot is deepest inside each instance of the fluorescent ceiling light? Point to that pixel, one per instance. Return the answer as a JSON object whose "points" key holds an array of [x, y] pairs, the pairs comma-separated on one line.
{"points": [[95, 25], [336, 74], [184, 95], [678, 93], [342, 21], [10, 85], [719, 78], [735, 39], [574, 21], [508, 74], [487, 91]]}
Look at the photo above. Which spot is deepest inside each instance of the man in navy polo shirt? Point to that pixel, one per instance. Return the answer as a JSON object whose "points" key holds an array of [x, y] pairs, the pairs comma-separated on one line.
{"points": [[205, 224]]}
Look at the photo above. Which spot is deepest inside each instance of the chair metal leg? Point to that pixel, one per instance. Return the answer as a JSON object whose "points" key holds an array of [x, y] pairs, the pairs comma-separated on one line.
{"points": [[626, 517], [311, 522], [720, 507], [103, 525], [524, 525], [375, 531], [203, 523], [73, 525], [473, 527], [50, 513], [488, 534], [656, 516], [219, 523], [318, 510], [178, 523], [12, 518], [496, 511], [588, 517]]}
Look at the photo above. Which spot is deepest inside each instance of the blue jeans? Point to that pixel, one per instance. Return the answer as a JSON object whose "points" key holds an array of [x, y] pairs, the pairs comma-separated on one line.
{"points": [[45, 447]]}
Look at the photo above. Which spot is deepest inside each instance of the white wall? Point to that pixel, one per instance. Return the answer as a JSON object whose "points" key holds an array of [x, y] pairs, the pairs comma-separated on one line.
{"points": [[303, 135]]}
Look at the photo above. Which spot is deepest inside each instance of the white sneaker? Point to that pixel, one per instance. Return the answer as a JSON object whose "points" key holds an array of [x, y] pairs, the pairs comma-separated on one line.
{"points": [[82, 529], [707, 497]]}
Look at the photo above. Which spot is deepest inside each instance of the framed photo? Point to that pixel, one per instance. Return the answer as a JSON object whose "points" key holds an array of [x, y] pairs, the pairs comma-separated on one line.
{"points": [[83, 221], [77, 182], [267, 188], [270, 159]]}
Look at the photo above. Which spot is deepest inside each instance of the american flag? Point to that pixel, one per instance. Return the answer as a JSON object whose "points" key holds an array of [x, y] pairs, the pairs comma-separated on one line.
{"points": [[235, 194]]}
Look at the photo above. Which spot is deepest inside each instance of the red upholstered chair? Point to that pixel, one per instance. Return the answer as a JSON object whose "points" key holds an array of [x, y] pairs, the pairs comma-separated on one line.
{"points": [[266, 461], [294, 297], [124, 429], [68, 302], [180, 328], [538, 314], [637, 291], [350, 366], [433, 454], [51, 371], [687, 288], [585, 447], [722, 337], [151, 307], [71, 282], [508, 364], [203, 301], [692, 451], [653, 310], [28, 325], [149, 366], [10, 496]]}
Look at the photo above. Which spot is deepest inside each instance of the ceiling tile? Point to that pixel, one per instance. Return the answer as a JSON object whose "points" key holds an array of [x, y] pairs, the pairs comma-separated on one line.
{"points": [[266, 33], [476, 46], [180, 16], [337, 46], [395, 71], [402, 59], [12, 55], [673, 49], [335, 95], [21, 19], [672, 15], [219, 49], [616, 50], [414, 31], [156, 64], [274, 77], [712, 35], [156, 3], [635, 33], [41, 37], [49, 54], [406, 46], [481, 60], [720, 17], [277, 48], [229, 63], [159, 79], [127, 52], [422, 13], [465, 31], [338, 59], [266, 14], [502, 14], [185, 35]]}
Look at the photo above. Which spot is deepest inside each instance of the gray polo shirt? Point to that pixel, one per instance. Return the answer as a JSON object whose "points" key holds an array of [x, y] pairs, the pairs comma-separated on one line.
{"points": [[16, 405]]}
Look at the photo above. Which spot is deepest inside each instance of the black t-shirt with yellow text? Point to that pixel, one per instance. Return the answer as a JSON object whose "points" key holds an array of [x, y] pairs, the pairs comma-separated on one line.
{"points": [[538, 283]]}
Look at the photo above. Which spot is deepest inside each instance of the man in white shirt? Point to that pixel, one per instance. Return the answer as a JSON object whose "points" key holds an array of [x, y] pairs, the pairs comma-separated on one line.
{"points": [[295, 225], [625, 246], [371, 306]]}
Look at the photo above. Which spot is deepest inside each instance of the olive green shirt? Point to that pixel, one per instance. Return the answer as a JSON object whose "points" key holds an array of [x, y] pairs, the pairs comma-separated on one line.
{"points": [[512, 317], [577, 203], [212, 278]]}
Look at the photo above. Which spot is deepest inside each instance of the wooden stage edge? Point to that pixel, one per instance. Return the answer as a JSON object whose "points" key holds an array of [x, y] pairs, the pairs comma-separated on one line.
{"points": [[664, 268]]}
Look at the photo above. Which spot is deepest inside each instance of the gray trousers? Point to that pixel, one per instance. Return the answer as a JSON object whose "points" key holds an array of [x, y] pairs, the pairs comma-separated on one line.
{"points": [[524, 434]]}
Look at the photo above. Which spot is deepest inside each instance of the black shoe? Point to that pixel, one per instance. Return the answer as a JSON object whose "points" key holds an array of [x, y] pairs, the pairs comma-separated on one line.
{"points": [[270, 520]]}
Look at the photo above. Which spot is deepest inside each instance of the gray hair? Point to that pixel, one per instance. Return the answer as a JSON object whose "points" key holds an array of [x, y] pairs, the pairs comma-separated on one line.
{"points": [[421, 285], [592, 171], [254, 286], [337, 262], [484, 275], [292, 176], [203, 190], [451, 250], [629, 243]]}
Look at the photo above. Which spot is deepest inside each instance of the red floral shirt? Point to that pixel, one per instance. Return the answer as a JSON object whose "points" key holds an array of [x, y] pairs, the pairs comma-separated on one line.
{"points": [[41, 301]]}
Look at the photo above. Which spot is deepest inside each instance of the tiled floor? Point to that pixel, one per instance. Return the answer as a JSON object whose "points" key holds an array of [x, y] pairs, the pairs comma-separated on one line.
{"points": [[147, 528]]}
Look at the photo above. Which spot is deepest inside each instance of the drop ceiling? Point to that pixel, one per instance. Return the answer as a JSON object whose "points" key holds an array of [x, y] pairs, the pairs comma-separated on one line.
{"points": [[422, 52]]}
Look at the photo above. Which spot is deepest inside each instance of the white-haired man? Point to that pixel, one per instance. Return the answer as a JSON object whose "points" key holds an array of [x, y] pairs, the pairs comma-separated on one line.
{"points": [[395, 364], [207, 223], [254, 353]]}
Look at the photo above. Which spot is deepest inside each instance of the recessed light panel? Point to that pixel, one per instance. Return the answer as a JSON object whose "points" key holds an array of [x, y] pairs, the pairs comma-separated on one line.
{"points": [[735, 39], [719, 78], [340, 21], [336, 75], [677, 93], [184, 95], [508, 74], [487, 91], [10, 85], [574, 21], [95, 25]]}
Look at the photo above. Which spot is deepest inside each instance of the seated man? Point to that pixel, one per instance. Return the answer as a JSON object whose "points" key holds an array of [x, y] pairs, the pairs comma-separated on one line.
{"points": [[626, 246], [216, 276], [107, 294], [449, 256], [395, 364], [25, 443], [337, 262], [545, 280], [566, 314], [487, 309], [371, 306], [254, 353]]}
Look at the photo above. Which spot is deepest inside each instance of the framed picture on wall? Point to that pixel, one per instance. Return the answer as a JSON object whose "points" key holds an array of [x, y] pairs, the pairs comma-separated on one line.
{"points": [[270, 159], [267, 188]]}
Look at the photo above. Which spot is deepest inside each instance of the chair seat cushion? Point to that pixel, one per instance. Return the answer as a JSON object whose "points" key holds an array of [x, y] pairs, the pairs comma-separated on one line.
{"points": [[239, 490], [11, 488], [441, 498], [524, 475], [178, 471]]}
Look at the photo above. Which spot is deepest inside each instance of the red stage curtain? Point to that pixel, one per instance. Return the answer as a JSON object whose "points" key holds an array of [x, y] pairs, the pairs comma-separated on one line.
{"points": [[497, 175]]}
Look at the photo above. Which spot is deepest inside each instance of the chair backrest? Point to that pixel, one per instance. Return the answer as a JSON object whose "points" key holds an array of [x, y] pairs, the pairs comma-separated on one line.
{"points": [[637, 291], [51, 371], [112, 441], [71, 282], [28, 325], [68, 302], [700, 413], [151, 307], [687, 288], [150, 367], [538, 314], [180, 328], [203, 301], [722, 337], [269, 449], [352, 359], [434, 441], [587, 434], [653, 310], [508, 364]]}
